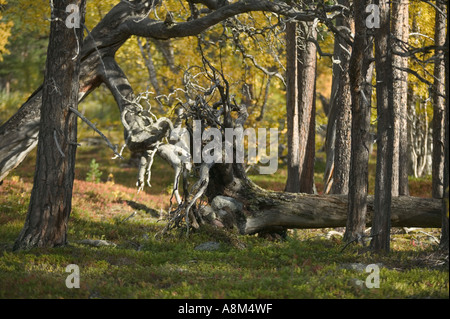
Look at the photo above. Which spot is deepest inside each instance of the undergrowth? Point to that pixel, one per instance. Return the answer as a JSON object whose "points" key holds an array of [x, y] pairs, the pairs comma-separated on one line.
{"points": [[139, 264]]}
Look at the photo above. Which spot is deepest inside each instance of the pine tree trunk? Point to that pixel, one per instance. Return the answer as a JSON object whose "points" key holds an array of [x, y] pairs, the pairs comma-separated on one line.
{"points": [[400, 33], [444, 244], [292, 111], [342, 101], [438, 107], [383, 179], [307, 60], [51, 196], [300, 102], [403, 116], [360, 74]]}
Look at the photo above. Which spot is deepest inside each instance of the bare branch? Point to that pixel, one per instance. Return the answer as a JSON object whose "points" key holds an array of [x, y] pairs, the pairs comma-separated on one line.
{"points": [[160, 30], [423, 50], [91, 125], [319, 49]]}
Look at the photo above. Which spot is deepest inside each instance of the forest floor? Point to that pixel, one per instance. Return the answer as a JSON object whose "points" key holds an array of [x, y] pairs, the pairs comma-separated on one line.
{"points": [[129, 261]]}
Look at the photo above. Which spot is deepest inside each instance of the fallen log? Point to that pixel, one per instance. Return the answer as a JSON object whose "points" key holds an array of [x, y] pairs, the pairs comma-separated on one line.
{"points": [[265, 210], [323, 211]]}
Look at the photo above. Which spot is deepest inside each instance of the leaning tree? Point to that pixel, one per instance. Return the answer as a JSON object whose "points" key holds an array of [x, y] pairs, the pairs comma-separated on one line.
{"points": [[234, 200]]}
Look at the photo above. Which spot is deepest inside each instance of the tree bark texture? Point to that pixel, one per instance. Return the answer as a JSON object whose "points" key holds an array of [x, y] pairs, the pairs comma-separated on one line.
{"points": [[339, 120], [439, 106], [360, 75], [307, 60], [385, 133], [301, 79], [400, 35], [51, 196], [292, 109], [444, 243]]}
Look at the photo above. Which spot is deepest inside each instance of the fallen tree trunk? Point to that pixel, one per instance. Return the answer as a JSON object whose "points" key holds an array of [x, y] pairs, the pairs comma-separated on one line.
{"points": [[323, 211], [265, 210]]}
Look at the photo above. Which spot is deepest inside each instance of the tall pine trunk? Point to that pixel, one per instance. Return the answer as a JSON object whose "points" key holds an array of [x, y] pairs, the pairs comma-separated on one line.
{"points": [[339, 122], [360, 75], [403, 118], [51, 196], [444, 244], [293, 178], [400, 33], [385, 133], [300, 106], [307, 107], [438, 106]]}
